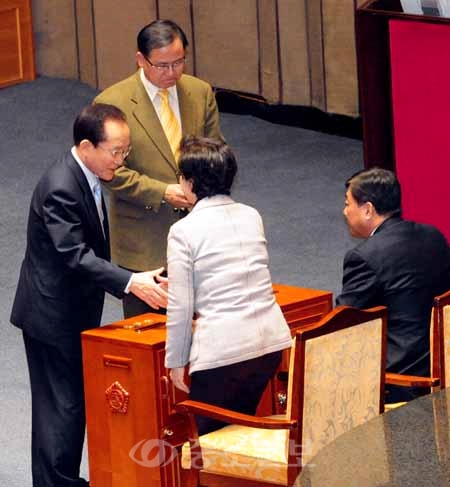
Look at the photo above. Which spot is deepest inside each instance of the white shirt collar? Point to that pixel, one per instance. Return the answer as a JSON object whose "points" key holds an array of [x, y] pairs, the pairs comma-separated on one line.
{"points": [[152, 90]]}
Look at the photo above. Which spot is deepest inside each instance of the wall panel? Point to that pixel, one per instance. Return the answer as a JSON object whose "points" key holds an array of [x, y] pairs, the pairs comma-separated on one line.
{"points": [[297, 52], [294, 62], [269, 50], [87, 60], [116, 26], [55, 38], [340, 57], [226, 43], [315, 52]]}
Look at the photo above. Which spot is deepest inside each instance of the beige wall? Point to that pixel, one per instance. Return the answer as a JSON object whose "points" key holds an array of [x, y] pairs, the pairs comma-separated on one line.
{"points": [[297, 52]]}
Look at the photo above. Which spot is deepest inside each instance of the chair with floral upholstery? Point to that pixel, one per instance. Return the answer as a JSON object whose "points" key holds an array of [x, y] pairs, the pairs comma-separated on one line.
{"points": [[336, 382]]}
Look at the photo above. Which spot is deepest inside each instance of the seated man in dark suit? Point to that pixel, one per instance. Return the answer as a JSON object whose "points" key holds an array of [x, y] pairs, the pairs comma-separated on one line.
{"points": [[400, 264]]}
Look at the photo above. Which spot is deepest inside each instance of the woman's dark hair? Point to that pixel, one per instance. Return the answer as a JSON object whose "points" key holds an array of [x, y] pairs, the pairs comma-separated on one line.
{"points": [[380, 187], [90, 123], [209, 163]]}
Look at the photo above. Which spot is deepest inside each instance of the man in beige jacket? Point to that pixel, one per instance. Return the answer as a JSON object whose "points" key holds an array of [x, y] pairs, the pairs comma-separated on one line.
{"points": [[145, 198]]}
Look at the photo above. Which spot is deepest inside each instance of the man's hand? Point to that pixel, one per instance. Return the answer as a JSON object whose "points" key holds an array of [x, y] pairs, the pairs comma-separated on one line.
{"points": [[177, 377], [175, 197], [144, 286]]}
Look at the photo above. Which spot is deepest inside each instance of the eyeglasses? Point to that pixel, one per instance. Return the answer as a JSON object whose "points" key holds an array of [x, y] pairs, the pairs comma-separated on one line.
{"points": [[117, 152], [164, 67]]}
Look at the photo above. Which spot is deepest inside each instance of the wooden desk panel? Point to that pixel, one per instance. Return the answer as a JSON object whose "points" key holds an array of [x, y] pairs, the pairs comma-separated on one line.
{"points": [[16, 42], [128, 404], [302, 306], [129, 398]]}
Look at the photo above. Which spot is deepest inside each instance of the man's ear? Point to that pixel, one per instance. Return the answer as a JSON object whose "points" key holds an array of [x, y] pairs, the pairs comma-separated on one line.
{"points": [[83, 148], [140, 59], [84, 144], [369, 210]]}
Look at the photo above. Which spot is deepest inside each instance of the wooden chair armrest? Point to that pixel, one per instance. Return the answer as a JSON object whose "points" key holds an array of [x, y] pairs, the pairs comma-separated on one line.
{"points": [[221, 414], [191, 408], [411, 380]]}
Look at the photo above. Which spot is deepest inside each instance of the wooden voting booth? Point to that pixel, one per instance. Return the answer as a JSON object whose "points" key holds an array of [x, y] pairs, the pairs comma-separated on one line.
{"points": [[132, 432], [404, 78]]}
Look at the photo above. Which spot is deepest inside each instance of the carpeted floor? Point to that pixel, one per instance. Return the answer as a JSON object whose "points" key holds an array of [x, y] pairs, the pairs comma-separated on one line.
{"points": [[294, 177]]}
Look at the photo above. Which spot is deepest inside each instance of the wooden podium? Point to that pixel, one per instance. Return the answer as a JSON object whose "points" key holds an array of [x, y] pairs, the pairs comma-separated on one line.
{"points": [[132, 432]]}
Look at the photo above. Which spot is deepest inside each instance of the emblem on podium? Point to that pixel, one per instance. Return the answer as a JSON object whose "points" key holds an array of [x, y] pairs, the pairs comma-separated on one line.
{"points": [[118, 398]]}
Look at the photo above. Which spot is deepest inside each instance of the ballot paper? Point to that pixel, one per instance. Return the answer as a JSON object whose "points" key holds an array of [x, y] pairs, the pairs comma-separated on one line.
{"points": [[437, 8], [430, 7], [444, 7], [412, 6]]}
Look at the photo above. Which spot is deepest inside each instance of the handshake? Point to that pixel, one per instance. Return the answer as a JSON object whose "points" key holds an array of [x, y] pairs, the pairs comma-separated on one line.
{"points": [[151, 287]]}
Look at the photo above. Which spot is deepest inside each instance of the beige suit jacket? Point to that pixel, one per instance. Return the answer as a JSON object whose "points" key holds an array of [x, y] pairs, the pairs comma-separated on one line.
{"points": [[139, 221]]}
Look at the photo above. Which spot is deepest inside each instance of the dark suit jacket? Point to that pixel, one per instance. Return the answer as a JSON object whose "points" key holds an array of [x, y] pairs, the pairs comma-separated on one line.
{"points": [[139, 222], [66, 269], [402, 266]]}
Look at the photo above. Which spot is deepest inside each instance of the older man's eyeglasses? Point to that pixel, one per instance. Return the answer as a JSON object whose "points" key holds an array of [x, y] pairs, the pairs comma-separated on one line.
{"points": [[164, 67], [123, 153]]}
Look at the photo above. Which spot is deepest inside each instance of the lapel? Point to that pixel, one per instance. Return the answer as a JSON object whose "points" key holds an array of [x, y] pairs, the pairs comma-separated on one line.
{"points": [[146, 116], [106, 226], [87, 198], [187, 108]]}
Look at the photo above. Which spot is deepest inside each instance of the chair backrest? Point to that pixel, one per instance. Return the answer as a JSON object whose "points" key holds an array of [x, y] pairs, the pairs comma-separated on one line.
{"points": [[440, 339], [336, 379]]}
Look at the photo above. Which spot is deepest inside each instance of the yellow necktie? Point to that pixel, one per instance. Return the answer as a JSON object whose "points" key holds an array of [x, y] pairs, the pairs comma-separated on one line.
{"points": [[170, 123]]}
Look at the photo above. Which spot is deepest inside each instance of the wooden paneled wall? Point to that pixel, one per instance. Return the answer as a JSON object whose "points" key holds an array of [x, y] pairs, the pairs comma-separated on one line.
{"points": [[296, 52], [16, 42]]}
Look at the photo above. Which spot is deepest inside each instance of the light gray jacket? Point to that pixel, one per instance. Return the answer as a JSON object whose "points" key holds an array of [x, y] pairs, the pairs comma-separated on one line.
{"points": [[218, 267]]}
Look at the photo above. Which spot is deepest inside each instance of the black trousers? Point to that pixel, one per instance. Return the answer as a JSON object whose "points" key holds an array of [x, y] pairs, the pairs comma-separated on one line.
{"points": [[238, 387], [133, 306], [58, 414], [395, 394]]}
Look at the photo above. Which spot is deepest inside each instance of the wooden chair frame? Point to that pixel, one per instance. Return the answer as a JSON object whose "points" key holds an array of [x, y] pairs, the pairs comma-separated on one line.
{"points": [[338, 319], [437, 352], [439, 357]]}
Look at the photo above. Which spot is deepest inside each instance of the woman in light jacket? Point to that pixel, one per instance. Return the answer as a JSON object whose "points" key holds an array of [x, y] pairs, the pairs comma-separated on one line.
{"points": [[218, 270]]}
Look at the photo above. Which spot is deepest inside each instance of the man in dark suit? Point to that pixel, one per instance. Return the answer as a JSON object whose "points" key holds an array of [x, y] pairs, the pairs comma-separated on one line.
{"points": [[401, 264], [62, 284], [146, 198]]}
